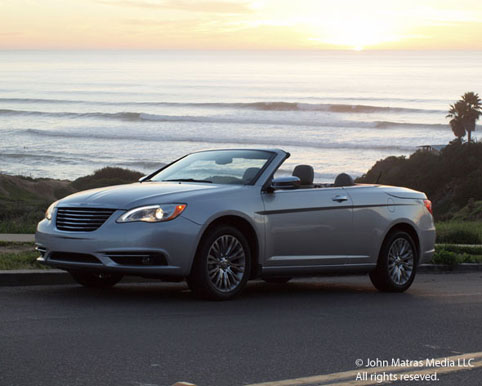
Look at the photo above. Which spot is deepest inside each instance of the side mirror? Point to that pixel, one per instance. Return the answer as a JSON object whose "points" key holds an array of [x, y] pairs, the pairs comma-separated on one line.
{"points": [[290, 182], [142, 179]]}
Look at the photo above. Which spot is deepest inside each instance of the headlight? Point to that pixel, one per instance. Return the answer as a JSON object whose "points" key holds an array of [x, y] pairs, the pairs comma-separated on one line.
{"points": [[50, 210], [153, 213]]}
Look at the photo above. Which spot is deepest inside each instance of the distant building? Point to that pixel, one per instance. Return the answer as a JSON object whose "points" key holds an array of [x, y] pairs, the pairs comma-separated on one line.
{"points": [[431, 148]]}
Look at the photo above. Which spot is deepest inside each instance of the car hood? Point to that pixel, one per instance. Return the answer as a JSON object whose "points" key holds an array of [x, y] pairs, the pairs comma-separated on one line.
{"points": [[132, 195]]}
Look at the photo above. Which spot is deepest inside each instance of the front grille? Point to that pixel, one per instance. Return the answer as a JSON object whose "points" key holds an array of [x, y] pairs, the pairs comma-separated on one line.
{"points": [[81, 219], [74, 257], [137, 258]]}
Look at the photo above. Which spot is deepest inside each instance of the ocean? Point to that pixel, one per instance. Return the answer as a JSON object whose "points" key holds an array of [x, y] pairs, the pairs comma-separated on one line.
{"points": [[64, 114]]}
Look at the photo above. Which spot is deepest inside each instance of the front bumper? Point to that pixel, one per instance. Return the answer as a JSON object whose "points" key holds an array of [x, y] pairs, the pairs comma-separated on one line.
{"points": [[145, 249]]}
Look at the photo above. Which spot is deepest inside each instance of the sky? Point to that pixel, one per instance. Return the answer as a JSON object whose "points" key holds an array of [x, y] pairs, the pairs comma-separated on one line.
{"points": [[241, 24]]}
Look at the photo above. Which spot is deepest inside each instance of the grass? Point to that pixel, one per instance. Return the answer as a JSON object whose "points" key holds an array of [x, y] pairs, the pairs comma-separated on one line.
{"points": [[18, 255], [18, 217], [12, 226], [16, 244], [20, 260], [459, 232]]}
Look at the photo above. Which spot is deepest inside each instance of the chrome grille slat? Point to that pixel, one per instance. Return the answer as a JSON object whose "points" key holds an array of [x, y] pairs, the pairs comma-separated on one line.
{"points": [[81, 215], [79, 223], [81, 219], [93, 219], [85, 211]]}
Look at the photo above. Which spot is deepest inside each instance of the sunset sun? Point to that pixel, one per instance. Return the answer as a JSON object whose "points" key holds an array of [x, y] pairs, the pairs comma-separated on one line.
{"points": [[241, 24], [355, 34]]}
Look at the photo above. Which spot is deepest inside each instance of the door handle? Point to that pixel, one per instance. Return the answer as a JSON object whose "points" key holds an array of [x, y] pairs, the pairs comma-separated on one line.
{"points": [[340, 198]]}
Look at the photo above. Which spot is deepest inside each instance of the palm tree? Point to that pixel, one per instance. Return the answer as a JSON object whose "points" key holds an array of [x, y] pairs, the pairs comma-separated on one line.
{"points": [[456, 112], [474, 111], [464, 114]]}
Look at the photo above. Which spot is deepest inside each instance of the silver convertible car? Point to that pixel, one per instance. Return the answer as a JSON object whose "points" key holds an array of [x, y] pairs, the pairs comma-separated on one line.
{"points": [[219, 218]]}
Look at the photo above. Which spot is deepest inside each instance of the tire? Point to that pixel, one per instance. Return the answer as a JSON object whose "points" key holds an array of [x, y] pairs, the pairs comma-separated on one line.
{"points": [[222, 264], [397, 263], [277, 280], [96, 279]]}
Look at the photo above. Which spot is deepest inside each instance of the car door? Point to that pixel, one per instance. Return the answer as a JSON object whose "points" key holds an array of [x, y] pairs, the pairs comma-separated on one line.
{"points": [[372, 214], [307, 227]]}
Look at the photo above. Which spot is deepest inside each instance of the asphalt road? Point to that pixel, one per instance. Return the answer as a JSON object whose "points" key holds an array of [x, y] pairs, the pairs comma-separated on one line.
{"points": [[157, 333]]}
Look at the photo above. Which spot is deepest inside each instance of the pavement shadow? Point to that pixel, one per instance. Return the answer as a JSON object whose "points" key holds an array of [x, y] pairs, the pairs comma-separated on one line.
{"points": [[156, 292]]}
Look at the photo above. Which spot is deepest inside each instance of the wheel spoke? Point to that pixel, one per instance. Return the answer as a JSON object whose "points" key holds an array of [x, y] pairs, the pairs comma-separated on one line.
{"points": [[225, 280], [219, 279], [236, 256], [213, 272], [230, 245]]}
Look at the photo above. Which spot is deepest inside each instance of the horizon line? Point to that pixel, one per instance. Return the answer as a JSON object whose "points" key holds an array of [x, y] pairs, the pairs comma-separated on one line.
{"points": [[248, 49]]}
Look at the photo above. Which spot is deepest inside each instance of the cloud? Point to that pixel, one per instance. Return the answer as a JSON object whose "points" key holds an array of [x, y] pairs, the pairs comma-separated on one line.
{"points": [[229, 7]]}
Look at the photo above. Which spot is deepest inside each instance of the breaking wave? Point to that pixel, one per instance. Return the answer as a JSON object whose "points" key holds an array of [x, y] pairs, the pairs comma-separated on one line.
{"points": [[263, 106], [145, 117], [264, 141]]}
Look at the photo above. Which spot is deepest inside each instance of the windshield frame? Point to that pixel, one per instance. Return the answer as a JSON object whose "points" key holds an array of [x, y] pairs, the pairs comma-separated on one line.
{"points": [[268, 162]]}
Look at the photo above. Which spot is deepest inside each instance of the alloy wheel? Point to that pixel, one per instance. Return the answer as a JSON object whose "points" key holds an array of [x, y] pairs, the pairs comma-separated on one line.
{"points": [[400, 261], [226, 263]]}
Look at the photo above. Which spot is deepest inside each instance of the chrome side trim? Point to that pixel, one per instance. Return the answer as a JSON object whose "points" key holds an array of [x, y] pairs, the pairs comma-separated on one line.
{"points": [[316, 257]]}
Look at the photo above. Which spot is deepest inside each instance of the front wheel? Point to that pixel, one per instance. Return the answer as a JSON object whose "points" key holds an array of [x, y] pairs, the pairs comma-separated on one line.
{"points": [[96, 279], [397, 263], [222, 265]]}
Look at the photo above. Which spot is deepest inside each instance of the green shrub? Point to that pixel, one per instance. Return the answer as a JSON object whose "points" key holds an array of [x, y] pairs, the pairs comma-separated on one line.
{"points": [[452, 232], [470, 212], [470, 250], [450, 179], [22, 205], [443, 256], [106, 177]]}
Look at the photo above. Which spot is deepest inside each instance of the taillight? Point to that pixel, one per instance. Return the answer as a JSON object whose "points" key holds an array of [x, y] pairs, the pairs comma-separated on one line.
{"points": [[428, 205]]}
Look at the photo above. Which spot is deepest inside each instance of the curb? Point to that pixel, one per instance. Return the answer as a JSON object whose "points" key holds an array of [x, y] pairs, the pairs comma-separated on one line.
{"points": [[441, 268], [17, 237], [31, 277]]}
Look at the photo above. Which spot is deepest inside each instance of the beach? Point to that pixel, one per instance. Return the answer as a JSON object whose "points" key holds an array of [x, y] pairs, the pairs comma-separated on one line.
{"points": [[65, 114]]}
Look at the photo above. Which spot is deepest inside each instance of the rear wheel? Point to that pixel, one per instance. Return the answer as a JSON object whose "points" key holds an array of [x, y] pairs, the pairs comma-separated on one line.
{"points": [[397, 263], [96, 279], [222, 265]]}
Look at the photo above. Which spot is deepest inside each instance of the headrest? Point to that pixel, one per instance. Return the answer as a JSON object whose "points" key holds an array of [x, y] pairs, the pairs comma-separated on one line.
{"points": [[249, 175], [305, 173], [344, 179]]}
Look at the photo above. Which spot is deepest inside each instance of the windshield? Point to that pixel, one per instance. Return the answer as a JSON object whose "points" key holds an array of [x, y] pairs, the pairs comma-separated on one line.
{"points": [[239, 167]]}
